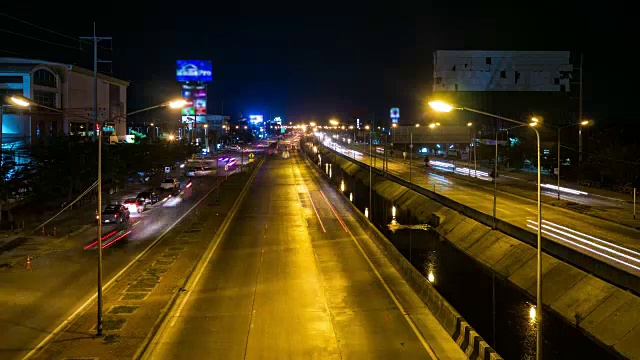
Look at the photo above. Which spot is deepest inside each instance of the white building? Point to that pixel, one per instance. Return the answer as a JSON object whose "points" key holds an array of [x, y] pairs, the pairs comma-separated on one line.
{"points": [[480, 70], [68, 88]]}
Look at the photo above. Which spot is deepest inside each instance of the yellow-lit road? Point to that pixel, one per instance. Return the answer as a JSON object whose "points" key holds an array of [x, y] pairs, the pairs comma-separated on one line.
{"points": [[289, 281]]}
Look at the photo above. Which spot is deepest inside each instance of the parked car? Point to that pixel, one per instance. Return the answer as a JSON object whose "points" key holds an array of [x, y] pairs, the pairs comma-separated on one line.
{"points": [[115, 214], [169, 183], [150, 197], [135, 205]]}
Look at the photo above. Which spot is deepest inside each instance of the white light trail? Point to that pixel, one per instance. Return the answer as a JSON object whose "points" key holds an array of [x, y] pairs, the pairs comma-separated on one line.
{"points": [[564, 189], [551, 231]]}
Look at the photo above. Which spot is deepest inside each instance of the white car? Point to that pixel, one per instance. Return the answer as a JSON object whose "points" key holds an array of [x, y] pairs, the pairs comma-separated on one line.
{"points": [[169, 183]]}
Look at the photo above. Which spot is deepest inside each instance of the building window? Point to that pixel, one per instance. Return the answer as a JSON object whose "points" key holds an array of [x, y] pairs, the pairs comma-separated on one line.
{"points": [[487, 60], [503, 74], [44, 77], [556, 81], [77, 129], [45, 98]]}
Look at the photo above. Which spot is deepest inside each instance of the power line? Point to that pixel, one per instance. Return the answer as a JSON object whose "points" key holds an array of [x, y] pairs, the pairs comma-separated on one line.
{"points": [[600, 156], [41, 40], [43, 28]]}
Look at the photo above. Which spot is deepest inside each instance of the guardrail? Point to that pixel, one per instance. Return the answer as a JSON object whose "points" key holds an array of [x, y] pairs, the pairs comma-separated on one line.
{"points": [[591, 265]]}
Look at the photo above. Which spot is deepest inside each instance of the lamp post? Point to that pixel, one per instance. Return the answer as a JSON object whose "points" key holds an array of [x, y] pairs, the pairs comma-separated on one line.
{"points": [[444, 107], [22, 101], [558, 128], [475, 162], [495, 174]]}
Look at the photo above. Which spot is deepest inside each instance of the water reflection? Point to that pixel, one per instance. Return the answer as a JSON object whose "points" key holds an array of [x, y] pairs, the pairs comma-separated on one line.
{"points": [[500, 312]]}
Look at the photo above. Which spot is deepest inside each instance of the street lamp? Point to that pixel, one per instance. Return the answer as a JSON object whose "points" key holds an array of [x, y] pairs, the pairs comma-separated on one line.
{"points": [[22, 101], [441, 106], [558, 128], [334, 122]]}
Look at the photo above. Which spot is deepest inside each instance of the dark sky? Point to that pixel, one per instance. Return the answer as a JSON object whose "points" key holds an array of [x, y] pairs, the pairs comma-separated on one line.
{"points": [[302, 66]]}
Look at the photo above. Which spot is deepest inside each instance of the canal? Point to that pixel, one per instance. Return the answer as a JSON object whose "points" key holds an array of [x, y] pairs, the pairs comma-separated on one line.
{"points": [[497, 310]]}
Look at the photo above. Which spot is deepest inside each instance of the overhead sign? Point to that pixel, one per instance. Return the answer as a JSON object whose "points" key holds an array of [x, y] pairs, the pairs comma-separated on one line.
{"points": [[194, 70], [395, 114], [256, 118]]}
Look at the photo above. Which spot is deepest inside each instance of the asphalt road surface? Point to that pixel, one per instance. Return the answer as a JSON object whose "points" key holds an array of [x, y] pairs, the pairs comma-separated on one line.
{"points": [[611, 243], [34, 302], [287, 281]]}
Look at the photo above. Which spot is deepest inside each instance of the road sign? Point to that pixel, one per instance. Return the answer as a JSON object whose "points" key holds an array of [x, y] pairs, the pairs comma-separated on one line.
{"points": [[395, 114], [167, 169], [251, 156]]}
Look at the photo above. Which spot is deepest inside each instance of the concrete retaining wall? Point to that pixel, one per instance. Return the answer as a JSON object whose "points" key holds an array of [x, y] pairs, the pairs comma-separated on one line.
{"points": [[474, 346], [605, 312]]}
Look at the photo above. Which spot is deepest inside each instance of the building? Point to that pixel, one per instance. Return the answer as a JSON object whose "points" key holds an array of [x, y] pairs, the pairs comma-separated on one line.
{"points": [[515, 84], [68, 88]]}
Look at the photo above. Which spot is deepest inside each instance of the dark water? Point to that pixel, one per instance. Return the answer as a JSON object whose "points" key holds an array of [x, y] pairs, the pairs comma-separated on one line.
{"points": [[497, 310]]}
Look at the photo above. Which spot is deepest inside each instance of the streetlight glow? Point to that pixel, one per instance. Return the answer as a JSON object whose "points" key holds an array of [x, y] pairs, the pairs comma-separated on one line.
{"points": [[532, 313], [334, 122], [440, 106], [312, 123], [177, 103], [584, 122], [432, 125], [19, 101], [394, 125], [469, 124], [172, 137], [417, 125], [366, 127]]}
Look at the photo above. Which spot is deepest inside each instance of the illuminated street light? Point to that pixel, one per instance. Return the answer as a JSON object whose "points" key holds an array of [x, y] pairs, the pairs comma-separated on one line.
{"points": [[440, 106], [444, 107], [366, 127], [394, 125], [432, 125], [584, 122], [20, 101], [172, 137], [151, 124], [334, 122], [417, 125], [176, 104], [312, 123], [469, 124]]}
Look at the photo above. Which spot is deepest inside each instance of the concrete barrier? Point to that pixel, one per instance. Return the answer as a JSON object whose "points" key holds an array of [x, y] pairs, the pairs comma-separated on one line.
{"points": [[605, 312], [602, 270], [446, 315]]}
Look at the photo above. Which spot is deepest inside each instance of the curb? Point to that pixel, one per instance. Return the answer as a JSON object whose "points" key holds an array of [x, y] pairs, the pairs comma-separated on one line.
{"points": [[474, 347]]}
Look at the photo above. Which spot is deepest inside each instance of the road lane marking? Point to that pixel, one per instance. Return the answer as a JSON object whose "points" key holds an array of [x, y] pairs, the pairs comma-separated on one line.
{"points": [[316, 211], [404, 313], [334, 211], [153, 339], [105, 287]]}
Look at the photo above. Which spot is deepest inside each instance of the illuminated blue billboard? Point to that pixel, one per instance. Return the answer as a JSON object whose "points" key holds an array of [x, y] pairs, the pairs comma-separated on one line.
{"points": [[194, 70]]}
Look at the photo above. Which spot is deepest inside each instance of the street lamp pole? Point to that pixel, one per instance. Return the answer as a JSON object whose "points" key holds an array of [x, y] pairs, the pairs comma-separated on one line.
{"points": [[444, 107]]}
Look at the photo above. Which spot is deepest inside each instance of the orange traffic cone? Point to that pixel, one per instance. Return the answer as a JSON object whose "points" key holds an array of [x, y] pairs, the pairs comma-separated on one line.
{"points": [[28, 262]]}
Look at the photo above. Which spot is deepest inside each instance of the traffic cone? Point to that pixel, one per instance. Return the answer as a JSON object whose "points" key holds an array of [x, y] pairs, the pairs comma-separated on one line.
{"points": [[28, 262]]}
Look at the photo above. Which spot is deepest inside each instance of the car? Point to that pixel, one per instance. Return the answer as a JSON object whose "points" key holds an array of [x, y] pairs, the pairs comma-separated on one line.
{"points": [[135, 205], [115, 214], [199, 171], [169, 183], [150, 197]]}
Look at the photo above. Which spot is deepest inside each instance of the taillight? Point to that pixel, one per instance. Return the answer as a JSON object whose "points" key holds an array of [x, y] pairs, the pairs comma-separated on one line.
{"points": [[116, 216]]}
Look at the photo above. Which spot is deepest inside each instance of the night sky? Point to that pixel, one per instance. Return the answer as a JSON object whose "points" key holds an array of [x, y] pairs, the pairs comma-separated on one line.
{"points": [[305, 67]]}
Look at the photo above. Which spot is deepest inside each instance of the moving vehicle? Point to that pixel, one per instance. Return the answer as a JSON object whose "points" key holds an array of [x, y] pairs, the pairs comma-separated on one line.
{"points": [[199, 171], [150, 197], [135, 205], [115, 214], [169, 184]]}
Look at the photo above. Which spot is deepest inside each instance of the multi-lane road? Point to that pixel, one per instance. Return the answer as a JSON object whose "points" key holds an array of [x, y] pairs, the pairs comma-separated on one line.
{"points": [[610, 242], [289, 280], [36, 301]]}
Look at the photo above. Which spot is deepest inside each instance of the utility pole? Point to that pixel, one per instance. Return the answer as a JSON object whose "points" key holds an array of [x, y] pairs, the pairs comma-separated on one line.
{"points": [[580, 115], [98, 137]]}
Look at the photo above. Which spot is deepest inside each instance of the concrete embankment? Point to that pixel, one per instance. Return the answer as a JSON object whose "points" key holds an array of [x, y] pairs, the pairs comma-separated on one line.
{"points": [[608, 314]]}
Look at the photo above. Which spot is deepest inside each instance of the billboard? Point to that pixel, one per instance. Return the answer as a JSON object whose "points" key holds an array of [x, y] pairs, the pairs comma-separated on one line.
{"points": [[256, 119], [201, 106], [488, 70], [395, 114], [196, 97], [194, 70], [189, 119]]}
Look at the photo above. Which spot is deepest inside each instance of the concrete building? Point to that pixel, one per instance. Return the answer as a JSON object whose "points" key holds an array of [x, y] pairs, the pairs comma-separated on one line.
{"points": [[514, 84], [60, 86]]}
